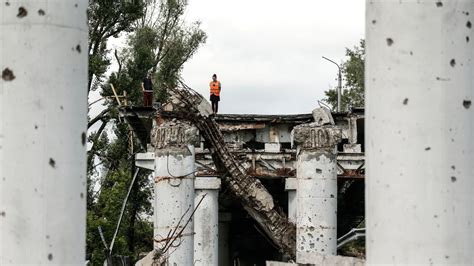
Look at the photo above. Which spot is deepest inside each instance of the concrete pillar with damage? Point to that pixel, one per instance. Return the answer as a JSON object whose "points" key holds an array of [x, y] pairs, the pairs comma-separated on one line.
{"points": [[173, 144], [43, 117], [290, 187], [316, 172], [206, 221], [419, 130]]}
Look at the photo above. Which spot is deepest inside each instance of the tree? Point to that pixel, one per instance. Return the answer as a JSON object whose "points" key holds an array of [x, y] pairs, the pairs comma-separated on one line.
{"points": [[353, 73], [108, 18], [160, 42]]}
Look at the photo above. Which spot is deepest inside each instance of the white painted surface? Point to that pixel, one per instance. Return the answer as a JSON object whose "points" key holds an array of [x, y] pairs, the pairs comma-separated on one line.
{"points": [[316, 204], [206, 221], [174, 200], [145, 160], [42, 132], [290, 187], [419, 132]]}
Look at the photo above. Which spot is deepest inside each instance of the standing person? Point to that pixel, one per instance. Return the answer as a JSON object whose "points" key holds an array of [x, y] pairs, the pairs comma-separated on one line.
{"points": [[147, 89], [215, 87]]}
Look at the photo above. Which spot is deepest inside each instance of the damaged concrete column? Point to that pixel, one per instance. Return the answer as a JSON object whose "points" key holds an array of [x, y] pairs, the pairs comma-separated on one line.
{"points": [[43, 133], [419, 131], [290, 187], [174, 190], [316, 186], [206, 221]]}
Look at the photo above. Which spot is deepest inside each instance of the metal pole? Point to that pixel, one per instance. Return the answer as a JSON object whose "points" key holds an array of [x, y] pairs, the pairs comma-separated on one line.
{"points": [[338, 84], [419, 129], [43, 118]]}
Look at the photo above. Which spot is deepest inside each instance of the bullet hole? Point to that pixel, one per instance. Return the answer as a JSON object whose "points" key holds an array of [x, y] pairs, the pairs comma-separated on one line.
{"points": [[446, 257], [453, 179], [467, 38], [405, 102], [22, 12], [452, 62], [50, 256], [411, 52], [389, 41], [47, 236], [75, 5], [36, 126], [332, 196], [322, 250], [442, 79], [41, 12], [82, 195], [468, 24], [435, 216], [78, 48], [8, 75], [318, 171], [2, 214], [61, 107], [453, 167], [439, 4], [427, 148], [374, 21], [83, 138], [466, 104], [52, 162], [7, 3]]}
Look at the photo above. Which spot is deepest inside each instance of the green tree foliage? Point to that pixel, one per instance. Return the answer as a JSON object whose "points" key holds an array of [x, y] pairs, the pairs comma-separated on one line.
{"points": [[108, 18], [161, 44], [353, 76], [104, 206]]}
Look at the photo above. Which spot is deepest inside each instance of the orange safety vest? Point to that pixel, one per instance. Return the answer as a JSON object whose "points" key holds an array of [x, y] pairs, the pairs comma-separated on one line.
{"points": [[215, 87]]}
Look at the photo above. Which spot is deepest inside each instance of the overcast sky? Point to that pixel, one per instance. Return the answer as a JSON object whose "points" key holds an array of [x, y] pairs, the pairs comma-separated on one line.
{"points": [[267, 53]]}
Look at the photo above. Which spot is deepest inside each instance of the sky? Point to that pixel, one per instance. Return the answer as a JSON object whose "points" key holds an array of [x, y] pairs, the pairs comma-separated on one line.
{"points": [[268, 53]]}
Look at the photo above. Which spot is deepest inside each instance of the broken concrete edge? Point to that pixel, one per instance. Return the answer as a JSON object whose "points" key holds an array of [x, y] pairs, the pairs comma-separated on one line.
{"points": [[324, 260], [151, 259], [322, 116]]}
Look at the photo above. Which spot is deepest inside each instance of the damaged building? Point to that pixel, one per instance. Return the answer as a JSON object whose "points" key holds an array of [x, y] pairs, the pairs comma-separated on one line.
{"points": [[227, 185]]}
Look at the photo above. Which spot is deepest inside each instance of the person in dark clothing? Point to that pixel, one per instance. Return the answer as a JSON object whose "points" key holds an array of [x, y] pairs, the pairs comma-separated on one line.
{"points": [[147, 89], [215, 87]]}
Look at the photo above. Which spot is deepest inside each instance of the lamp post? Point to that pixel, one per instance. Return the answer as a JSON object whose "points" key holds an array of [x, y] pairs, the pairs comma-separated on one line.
{"points": [[338, 84]]}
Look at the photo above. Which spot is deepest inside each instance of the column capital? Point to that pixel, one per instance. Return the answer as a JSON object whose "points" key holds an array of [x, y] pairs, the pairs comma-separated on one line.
{"points": [[315, 136], [174, 133]]}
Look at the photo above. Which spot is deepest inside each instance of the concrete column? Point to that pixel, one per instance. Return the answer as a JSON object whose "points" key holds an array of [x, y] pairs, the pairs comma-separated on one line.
{"points": [[43, 117], [206, 221], [419, 129], [316, 174], [290, 187], [174, 190]]}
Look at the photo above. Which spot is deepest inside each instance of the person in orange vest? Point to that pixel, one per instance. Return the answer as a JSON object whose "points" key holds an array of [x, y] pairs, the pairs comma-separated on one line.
{"points": [[215, 87]]}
